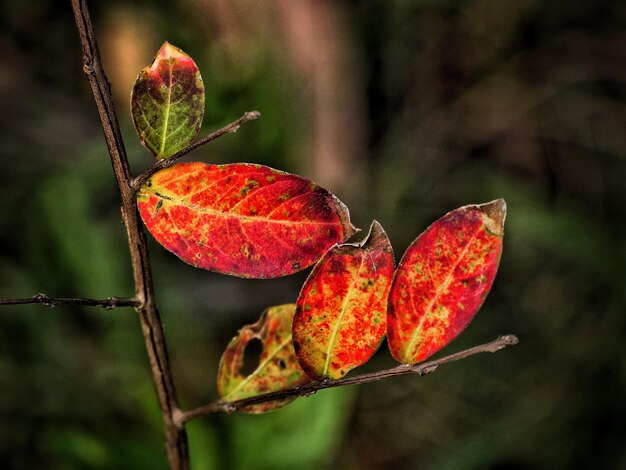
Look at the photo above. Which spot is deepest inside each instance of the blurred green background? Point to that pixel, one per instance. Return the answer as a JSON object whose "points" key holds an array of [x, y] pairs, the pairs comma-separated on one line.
{"points": [[405, 110]]}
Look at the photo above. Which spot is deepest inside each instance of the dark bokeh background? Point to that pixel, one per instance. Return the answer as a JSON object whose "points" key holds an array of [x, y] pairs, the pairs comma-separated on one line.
{"points": [[405, 110]]}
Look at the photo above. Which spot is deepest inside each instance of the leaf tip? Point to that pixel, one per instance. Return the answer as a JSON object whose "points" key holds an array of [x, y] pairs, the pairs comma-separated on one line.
{"points": [[376, 229], [377, 238], [168, 51], [496, 215]]}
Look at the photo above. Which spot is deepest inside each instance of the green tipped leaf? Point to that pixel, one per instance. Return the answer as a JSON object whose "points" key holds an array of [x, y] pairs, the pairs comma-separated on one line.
{"points": [[443, 279], [277, 367], [167, 102], [341, 312]]}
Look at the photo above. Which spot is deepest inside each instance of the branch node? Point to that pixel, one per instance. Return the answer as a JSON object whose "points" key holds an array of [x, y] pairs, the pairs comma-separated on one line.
{"points": [[428, 369], [252, 115], [178, 417], [509, 340], [141, 303]]}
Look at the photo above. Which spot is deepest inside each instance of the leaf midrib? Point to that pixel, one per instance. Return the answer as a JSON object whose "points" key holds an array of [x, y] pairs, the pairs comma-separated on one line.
{"points": [[167, 112], [440, 290], [219, 213], [333, 339]]}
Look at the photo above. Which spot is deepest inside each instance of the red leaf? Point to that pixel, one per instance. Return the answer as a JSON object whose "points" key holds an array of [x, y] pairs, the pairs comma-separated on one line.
{"points": [[167, 102], [340, 318], [443, 279], [242, 219], [277, 367]]}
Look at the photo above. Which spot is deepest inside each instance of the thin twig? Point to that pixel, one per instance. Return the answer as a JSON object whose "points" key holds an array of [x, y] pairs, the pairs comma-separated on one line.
{"points": [[152, 328], [167, 162], [107, 304], [419, 369]]}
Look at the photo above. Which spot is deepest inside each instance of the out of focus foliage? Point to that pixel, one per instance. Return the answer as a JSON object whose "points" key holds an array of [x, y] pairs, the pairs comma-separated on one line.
{"points": [[405, 110]]}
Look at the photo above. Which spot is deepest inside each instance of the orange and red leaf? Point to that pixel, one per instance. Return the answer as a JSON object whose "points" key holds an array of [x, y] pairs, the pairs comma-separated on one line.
{"points": [[277, 367], [340, 318], [242, 219], [443, 279]]}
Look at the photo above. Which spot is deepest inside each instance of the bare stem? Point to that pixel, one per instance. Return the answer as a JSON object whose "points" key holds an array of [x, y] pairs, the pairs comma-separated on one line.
{"points": [[108, 303], [419, 369], [175, 435], [167, 162]]}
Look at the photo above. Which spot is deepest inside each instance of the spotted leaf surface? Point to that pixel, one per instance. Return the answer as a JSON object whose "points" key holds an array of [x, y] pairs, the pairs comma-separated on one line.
{"points": [[167, 102], [277, 367], [341, 312], [242, 219], [443, 279]]}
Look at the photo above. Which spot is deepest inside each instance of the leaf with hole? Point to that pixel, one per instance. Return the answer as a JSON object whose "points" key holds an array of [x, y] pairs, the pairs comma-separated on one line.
{"points": [[242, 219], [167, 102], [443, 279], [272, 369], [341, 312]]}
